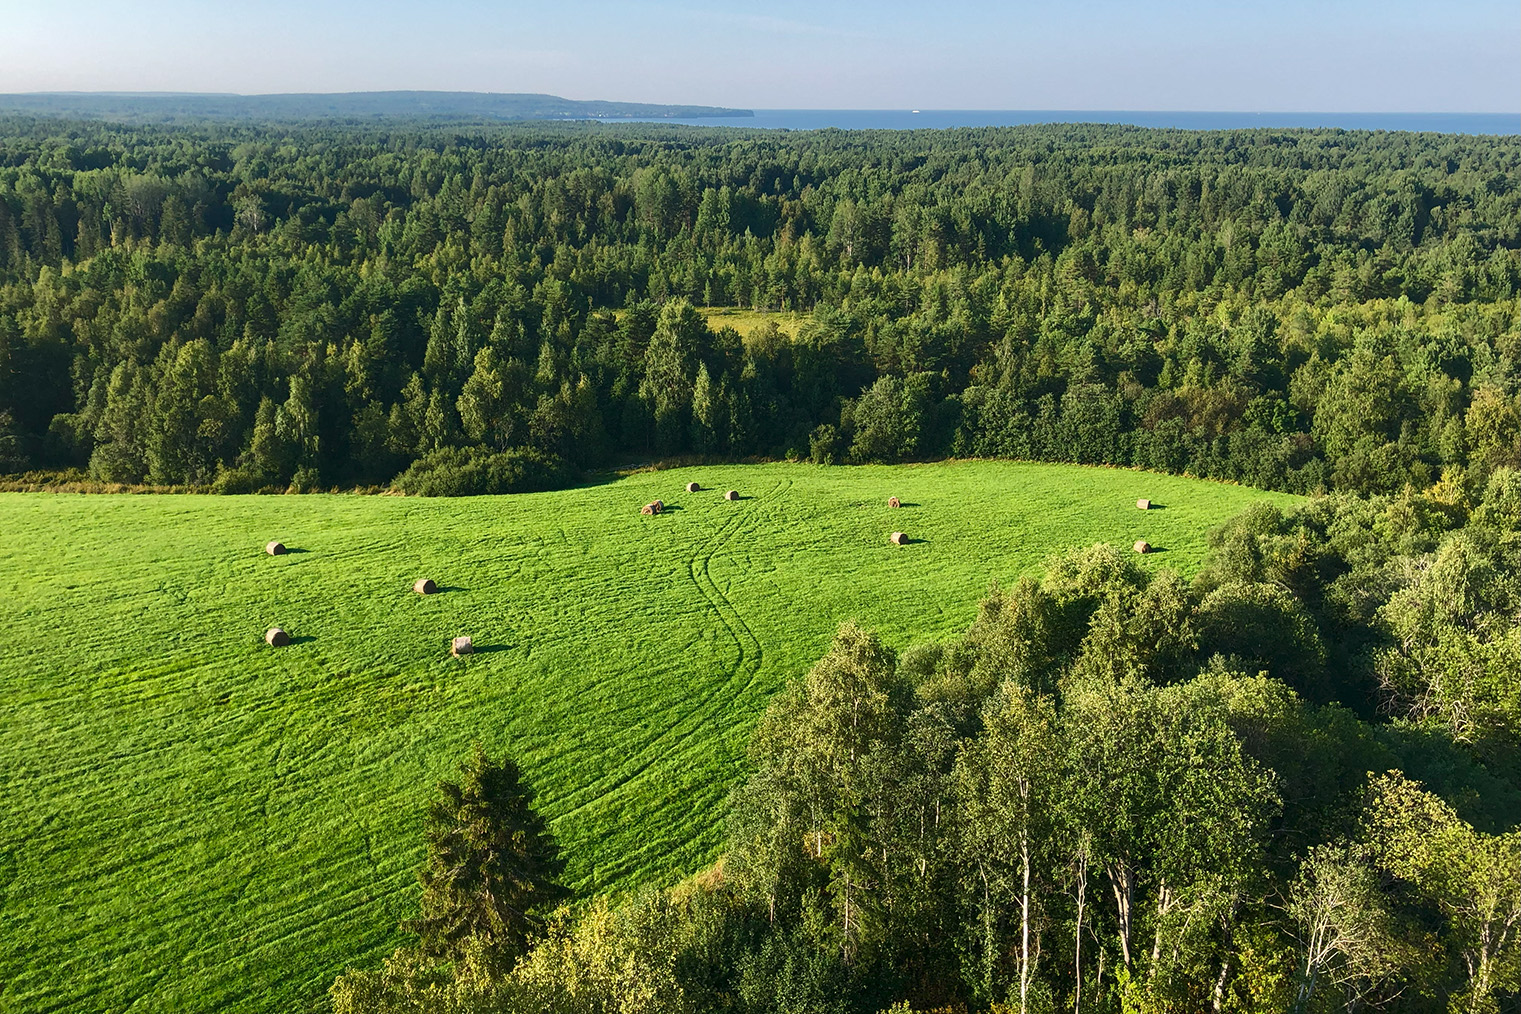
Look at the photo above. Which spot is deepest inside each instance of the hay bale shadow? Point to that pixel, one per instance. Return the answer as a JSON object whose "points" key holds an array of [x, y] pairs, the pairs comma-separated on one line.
{"points": [[486, 649], [906, 503], [444, 589], [302, 639], [1157, 506], [293, 550]]}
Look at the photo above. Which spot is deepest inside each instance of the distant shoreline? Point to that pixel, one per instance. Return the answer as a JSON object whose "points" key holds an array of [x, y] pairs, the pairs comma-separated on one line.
{"points": [[299, 106], [181, 107], [904, 119]]}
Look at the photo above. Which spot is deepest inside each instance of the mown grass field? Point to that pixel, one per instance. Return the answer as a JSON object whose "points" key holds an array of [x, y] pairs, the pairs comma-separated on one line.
{"points": [[190, 820], [746, 321]]}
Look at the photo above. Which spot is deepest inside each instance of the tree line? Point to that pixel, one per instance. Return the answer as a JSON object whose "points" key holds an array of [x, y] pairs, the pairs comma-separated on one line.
{"points": [[457, 309], [1290, 784]]}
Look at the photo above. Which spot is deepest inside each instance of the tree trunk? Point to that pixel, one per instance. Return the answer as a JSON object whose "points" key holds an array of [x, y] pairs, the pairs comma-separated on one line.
{"points": [[1306, 989], [1217, 1001], [1226, 920], [1164, 904], [1123, 883], [845, 942], [987, 934], [1024, 923], [1077, 941]]}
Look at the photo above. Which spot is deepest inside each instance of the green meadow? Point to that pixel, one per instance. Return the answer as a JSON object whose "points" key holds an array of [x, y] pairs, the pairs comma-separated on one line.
{"points": [[748, 321], [192, 820]]}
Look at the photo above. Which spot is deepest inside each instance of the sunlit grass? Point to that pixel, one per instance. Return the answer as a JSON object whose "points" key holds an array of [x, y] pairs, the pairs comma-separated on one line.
{"points": [[748, 321], [195, 821]]}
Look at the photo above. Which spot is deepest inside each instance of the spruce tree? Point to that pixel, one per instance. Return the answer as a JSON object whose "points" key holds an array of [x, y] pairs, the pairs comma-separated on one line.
{"points": [[491, 864]]}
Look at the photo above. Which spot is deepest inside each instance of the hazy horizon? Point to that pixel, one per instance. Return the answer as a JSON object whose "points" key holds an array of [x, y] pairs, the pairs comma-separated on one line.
{"points": [[867, 109], [1299, 56]]}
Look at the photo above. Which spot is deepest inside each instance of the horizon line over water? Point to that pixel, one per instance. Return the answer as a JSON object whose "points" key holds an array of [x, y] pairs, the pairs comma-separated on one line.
{"points": [[940, 119]]}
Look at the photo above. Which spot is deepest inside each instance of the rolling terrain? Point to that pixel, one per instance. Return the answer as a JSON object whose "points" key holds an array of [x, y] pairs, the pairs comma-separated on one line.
{"points": [[191, 820]]}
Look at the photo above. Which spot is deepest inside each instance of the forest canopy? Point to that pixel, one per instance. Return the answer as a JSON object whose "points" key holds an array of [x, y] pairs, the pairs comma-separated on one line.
{"points": [[241, 307]]}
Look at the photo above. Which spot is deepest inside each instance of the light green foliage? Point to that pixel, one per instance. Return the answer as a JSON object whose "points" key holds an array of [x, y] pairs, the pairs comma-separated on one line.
{"points": [[1469, 876], [670, 369], [602, 962], [888, 417], [1175, 807], [606, 963], [1348, 938], [1008, 784], [178, 795], [1456, 656]]}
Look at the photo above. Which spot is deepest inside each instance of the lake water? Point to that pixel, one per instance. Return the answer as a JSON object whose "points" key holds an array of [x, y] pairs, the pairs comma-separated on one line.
{"points": [[903, 119]]}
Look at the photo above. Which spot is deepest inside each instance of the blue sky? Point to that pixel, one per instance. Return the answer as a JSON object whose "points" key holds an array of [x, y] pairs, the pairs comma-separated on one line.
{"points": [[1295, 55]]}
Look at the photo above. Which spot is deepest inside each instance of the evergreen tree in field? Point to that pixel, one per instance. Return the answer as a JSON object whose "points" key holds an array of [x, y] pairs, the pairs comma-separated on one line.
{"points": [[491, 863]]}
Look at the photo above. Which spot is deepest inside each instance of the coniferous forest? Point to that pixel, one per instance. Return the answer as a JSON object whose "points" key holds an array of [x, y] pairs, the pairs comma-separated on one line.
{"points": [[241, 308], [1291, 782]]}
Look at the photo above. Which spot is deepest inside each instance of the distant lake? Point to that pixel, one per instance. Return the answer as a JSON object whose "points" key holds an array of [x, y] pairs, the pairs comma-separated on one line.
{"points": [[903, 119]]}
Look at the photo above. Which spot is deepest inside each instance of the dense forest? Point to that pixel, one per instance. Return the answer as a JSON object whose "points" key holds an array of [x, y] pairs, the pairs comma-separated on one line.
{"points": [[458, 309], [1289, 785]]}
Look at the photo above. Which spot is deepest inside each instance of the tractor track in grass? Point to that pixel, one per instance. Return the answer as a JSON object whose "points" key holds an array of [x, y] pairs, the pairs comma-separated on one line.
{"points": [[749, 661], [740, 677]]}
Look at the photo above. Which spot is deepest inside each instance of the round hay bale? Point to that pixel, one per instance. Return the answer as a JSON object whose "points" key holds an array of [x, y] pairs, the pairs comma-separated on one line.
{"points": [[893, 501], [659, 506], [692, 487], [648, 508], [461, 646], [424, 586], [733, 494], [276, 638], [898, 539], [275, 548], [1143, 505], [1142, 546]]}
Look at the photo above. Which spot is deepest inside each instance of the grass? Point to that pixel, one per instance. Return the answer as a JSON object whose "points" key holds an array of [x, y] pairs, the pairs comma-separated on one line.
{"points": [[747, 321], [190, 820]]}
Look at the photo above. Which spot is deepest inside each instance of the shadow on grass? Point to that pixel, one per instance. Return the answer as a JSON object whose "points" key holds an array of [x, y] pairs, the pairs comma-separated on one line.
{"points": [[906, 503], [487, 649], [302, 639], [1157, 506], [1154, 550], [592, 479], [445, 589]]}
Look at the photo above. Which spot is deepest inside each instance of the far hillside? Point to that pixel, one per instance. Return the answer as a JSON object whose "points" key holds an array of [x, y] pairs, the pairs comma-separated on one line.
{"points": [[165, 107]]}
